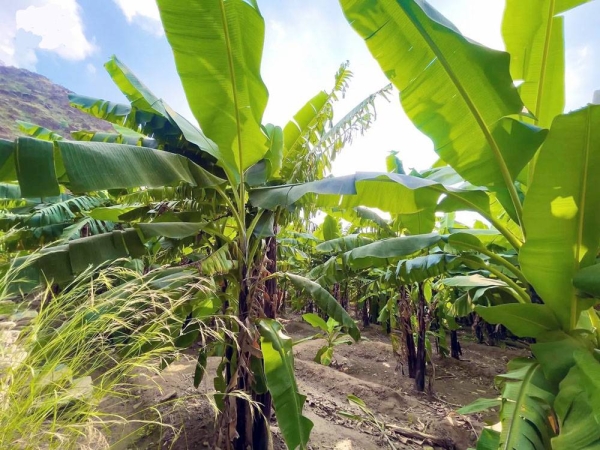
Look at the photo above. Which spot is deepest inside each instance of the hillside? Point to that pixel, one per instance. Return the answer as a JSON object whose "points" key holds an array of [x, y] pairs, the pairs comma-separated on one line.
{"points": [[27, 96]]}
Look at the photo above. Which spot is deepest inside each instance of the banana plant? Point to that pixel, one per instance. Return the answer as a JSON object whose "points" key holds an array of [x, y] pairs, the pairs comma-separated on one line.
{"points": [[532, 185], [155, 154], [560, 237], [331, 332], [238, 96]]}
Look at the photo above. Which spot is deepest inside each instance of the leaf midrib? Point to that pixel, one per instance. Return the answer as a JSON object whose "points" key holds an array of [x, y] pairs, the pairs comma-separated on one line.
{"points": [[582, 202], [538, 103], [234, 88], [293, 387], [520, 400], [474, 111]]}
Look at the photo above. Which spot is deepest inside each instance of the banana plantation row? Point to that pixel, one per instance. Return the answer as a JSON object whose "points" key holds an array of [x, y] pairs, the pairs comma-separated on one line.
{"points": [[221, 216]]}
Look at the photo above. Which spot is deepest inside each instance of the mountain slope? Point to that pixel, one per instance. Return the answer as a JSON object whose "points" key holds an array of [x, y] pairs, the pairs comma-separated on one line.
{"points": [[27, 96]]}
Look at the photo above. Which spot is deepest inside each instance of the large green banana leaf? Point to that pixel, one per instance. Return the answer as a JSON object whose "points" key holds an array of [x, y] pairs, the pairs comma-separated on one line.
{"points": [[556, 352], [575, 410], [522, 319], [343, 244], [92, 228], [588, 280], [330, 228], [466, 241], [421, 268], [363, 217], [278, 357], [390, 249], [92, 166], [382, 254], [146, 114], [269, 166], [472, 281], [173, 230], [334, 270], [394, 193], [488, 440], [150, 123], [130, 138], [102, 109], [61, 211], [562, 212], [326, 302], [145, 101], [64, 262], [454, 90], [387, 191], [38, 132], [274, 155], [421, 222], [7, 161], [533, 32], [590, 368], [36, 172], [136, 92], [527, 395], [217, 46], [303, 131], [296, 128]]}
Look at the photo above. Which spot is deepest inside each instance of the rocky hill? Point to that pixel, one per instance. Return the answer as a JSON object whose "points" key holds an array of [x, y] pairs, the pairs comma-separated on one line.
{"points": [[27, 96]]}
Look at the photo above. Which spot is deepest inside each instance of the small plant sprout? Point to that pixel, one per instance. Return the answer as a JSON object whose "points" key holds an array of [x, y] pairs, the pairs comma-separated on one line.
{"points": [[331, 331]]}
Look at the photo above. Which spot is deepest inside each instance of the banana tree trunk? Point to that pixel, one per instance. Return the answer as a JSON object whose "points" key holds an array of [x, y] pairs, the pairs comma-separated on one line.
{"points": [[455, 350], [244, 416], [374, 309], [336, 293], [365, 313], [421, 355], [237, 413], [270, 301], [405, 312], [261, 432], [344, 297]]}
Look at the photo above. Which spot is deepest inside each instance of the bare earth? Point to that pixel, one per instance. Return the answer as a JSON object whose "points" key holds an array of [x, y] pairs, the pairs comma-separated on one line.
{"points": [[366, 370]]}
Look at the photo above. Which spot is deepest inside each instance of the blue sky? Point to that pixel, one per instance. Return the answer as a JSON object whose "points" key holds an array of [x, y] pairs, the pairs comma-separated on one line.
{"points": [[68, 41]]}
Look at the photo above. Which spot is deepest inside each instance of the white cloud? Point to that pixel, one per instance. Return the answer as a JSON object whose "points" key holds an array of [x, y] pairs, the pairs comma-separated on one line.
{"points": [[142, 12], [91, 69], [51, 25], [143, 8], [8, 32]]}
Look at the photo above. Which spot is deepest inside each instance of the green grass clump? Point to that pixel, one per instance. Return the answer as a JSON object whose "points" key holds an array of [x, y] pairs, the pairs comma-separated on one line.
{"points": [[82, 345]]}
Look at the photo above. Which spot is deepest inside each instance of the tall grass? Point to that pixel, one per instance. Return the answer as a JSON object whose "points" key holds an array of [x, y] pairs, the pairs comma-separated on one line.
{"points": [[85, 344]]}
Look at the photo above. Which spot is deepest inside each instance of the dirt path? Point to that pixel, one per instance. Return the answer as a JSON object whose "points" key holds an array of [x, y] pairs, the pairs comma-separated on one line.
{"points": [[366, 370]]}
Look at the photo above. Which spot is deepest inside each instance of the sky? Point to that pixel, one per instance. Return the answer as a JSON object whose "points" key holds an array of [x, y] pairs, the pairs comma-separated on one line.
{"points": [[68, 41]]}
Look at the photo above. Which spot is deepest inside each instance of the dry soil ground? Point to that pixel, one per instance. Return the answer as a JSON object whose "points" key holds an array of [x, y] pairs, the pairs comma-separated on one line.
{"points": [[366, 370]]}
